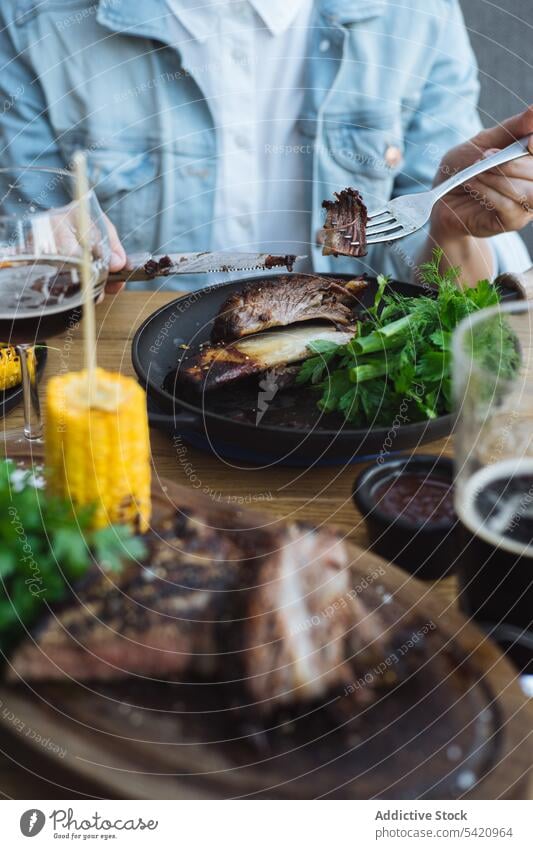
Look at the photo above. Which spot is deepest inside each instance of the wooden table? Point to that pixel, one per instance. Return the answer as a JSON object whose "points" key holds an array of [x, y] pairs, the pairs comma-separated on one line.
{"points": [[319, 495]]}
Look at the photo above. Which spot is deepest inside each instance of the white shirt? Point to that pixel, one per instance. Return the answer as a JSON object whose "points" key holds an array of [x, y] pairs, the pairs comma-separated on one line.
{"points": [[248, 58]]}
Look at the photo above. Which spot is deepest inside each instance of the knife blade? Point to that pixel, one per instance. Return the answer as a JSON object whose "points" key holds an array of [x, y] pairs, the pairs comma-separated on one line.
{"points": [[147, 267]]}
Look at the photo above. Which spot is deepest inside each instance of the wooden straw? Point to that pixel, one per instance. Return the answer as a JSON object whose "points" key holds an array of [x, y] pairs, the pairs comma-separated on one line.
{"points": [[84, 224]]}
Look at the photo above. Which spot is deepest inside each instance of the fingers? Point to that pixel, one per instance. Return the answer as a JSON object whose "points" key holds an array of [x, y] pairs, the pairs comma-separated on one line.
{"points": [[521, 169], [507, 213], [118, 254], [118, 258], [505, 133], [519, 191]]}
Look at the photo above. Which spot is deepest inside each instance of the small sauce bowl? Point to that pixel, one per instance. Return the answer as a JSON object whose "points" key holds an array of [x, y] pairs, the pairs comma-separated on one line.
{"points": [[407, 505]]}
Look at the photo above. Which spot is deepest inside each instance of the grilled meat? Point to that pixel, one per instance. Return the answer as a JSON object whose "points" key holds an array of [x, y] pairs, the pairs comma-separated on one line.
{"points": [[222, 594], [286, 300], [215, 366], [153, 267], [307, 633], [345, 223], [154, 619], [287, 261]]}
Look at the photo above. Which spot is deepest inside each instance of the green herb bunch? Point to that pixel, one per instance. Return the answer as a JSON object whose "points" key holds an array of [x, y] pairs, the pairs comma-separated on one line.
{"points": [[45, 546], [400, 356]]}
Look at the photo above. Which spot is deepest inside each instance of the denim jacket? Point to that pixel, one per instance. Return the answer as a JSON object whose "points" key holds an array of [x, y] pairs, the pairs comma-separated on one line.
{"points": [[391, 87]]}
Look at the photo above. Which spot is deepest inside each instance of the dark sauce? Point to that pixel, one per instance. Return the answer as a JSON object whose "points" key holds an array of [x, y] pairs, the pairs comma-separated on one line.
{"points": [[416, 498]]}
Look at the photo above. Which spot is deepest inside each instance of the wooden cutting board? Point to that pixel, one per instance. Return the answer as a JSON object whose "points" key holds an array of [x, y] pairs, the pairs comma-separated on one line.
{"points": [[459, 726]]}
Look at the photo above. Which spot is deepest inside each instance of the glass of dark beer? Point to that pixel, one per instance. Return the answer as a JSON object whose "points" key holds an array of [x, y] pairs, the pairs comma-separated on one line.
{"points": [[40, 279], [493, 390]]}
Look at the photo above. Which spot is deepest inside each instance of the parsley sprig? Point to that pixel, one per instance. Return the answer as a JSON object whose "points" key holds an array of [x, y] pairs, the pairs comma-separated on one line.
{"points": [[400, 357], [45, 546]]}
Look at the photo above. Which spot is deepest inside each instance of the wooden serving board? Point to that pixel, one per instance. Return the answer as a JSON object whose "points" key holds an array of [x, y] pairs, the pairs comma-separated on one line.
{"points": [[459, 726]]}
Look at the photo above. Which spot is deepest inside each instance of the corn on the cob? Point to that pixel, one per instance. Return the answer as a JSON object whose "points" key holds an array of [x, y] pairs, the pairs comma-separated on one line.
{"points": [[97, 447], [10, 374]]}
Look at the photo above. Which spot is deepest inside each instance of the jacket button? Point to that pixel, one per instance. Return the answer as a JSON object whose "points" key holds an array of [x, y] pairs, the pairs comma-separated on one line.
{"points": [[393, 156]]}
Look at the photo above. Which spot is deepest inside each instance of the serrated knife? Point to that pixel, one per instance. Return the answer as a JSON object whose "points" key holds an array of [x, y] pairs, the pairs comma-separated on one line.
{"points": [[147, 267]]}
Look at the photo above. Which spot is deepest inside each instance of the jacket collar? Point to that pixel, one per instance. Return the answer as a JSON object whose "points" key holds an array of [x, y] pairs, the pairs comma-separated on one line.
{"points": [[149, 19], [155, 18], [152, 18], [351, 11], [200, 20]]}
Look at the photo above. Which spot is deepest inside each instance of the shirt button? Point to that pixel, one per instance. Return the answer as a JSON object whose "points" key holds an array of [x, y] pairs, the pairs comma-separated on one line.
{"points": [[239, 56], [324, 45], [393, 156], [242, 141]]}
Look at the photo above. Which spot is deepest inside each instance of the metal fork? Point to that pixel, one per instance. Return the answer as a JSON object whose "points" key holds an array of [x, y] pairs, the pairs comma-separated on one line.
{"points": [[404, 215]]}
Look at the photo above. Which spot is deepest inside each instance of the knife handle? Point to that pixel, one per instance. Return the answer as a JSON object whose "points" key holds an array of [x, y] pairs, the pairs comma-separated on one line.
{"points": [[138, 272]]}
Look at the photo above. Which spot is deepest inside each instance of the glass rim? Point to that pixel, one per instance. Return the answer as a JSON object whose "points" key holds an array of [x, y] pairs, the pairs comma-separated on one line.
{"points": [[469, 323], [63, 172]]}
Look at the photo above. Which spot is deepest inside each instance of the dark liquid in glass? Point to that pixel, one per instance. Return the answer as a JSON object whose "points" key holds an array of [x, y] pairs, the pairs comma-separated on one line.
{"points": [[39, 298], [495, 557]]}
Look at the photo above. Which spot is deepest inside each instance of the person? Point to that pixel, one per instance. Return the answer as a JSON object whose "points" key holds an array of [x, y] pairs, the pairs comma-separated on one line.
{"points": [[226, 124]]}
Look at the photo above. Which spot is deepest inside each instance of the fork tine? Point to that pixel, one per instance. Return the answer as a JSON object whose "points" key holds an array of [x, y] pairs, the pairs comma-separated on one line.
{"points": [[374, 227], [387, 237], [371, 219], [386, 219], [379, 212], [377, 229]]}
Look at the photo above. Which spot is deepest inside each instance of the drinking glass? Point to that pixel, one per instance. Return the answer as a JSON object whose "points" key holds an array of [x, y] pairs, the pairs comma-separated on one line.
{"points": [[40, 280], [493, 391]]}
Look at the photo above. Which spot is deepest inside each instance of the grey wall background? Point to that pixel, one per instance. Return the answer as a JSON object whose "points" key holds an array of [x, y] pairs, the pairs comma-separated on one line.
{"points": [[502, 38]]}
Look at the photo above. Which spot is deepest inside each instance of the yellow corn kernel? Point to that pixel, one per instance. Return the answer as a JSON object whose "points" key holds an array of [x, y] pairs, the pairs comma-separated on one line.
{"points": [[10, 374], [97, 445]]}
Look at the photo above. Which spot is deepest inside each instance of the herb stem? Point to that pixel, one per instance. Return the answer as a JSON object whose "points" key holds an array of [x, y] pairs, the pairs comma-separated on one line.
{"points": [[368, 371]]}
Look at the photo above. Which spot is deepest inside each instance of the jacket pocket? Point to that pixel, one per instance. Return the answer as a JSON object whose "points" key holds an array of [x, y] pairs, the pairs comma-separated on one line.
{"points": [[367, 152], [159, 198], [125, 183]]}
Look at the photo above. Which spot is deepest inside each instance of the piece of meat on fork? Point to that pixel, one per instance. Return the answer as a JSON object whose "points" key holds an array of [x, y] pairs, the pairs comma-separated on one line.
{"points": [[345, 225]]}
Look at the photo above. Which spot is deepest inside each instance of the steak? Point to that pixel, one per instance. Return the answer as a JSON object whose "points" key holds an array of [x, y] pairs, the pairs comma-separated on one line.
{"points": [[223, 595], [216, 365], [286, 300], [152, 619], [300, 634], [346, 219]]}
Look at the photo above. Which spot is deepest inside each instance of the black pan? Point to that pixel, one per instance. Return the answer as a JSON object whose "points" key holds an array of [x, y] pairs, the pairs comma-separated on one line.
{"points": [[289, 430]]}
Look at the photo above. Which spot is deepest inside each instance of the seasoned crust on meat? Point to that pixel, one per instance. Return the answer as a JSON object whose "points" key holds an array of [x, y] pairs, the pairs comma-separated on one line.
{"points": [[286, 300]]}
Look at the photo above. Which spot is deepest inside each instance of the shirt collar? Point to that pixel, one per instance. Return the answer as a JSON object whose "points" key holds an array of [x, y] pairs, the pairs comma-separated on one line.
{"points": [[278, 15], [198, 18]]}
